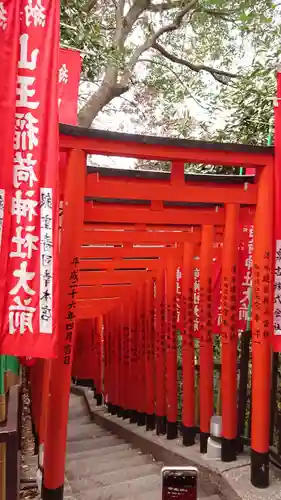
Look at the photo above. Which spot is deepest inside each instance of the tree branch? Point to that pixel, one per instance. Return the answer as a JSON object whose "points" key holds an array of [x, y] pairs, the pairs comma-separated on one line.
{"points": [[226, 15], [187, 90], [176, 23], [91, 5], [152, 40], [217, 74], [133, 14], [119, 16], [162, 7], [108, 90]]}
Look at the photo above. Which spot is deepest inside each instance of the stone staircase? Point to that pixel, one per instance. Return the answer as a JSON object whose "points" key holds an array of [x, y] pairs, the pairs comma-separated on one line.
{"points": [[101, 466]]}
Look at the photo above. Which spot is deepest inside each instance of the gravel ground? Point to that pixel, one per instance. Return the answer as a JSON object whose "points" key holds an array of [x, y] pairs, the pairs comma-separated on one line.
{"points": [[28, 465]]}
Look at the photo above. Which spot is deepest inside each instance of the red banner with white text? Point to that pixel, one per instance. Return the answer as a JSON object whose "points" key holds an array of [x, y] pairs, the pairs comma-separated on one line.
{"points": [[68, 87], [29, 319], [68, 81]]}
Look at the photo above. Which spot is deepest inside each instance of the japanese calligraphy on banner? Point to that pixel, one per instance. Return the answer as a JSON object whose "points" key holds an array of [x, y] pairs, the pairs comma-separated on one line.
{"points": [[68, 86], [196, 295], [68, 79], [29, 313], [9, 36], [245, 267], [277, 211]]}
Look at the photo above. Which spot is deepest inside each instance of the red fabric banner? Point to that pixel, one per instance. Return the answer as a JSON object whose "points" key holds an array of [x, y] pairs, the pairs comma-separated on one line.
{"points": [[68, 79], [244, 285], [9, 36], [68, 83], [277, 210], [29, 313]]}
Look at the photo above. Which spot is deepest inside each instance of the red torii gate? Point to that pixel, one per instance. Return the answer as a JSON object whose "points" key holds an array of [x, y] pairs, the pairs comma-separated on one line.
{"points": [[173, 188]]}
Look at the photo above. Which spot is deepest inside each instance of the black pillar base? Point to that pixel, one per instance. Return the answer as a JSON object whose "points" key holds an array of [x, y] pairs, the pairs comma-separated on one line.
{"points": [[204, 441], [53, 494], [188, 435], [114, 409], [141, 419], [161, 425], [36, 444], [120, 412], [259, 469], [150, 422], [134, 417], [109, 407], [240, 445], [35, 436], [126, 414], [172, 430], [98, 399], [228, 450]]}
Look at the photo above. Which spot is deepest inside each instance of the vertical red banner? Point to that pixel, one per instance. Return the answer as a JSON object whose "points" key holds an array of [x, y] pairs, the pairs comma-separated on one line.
{"points": [[277, 213], [245, 266], [68, 80], [29, 312]]}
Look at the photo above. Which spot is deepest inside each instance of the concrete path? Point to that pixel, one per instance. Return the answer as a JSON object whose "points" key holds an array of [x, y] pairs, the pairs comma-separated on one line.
{"points": [[101, 466]]}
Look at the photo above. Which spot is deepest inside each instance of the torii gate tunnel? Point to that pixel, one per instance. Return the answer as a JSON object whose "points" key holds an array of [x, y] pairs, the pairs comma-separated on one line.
{"points": [[124, 236]]}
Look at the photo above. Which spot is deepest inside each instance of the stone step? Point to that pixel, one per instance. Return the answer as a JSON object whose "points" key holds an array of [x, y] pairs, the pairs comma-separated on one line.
{"points": [[108, 452], [83, 420], [73, 404], [114, 477], [129, 488], [94, 467], [147, 495], [76, 413], [94, 443], [212, 497], [87, 431]]}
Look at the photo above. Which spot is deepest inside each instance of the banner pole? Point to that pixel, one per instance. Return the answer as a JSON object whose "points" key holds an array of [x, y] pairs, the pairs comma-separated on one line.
{"points": [[2, 419]]}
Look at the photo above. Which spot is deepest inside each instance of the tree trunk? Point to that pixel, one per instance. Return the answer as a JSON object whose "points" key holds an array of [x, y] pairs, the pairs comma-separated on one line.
{"points": [[105, 94]]}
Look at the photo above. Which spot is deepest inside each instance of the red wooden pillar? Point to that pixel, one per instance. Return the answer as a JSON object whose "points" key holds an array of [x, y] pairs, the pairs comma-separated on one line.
{"points": [[262, 329], [106, 363], [186, 323], [111, 365], [129, 360], [60, 369], [229, 334], [160, 375], [125, 360], [116, 369], [141, 356], [121, 365], [134, 357], [149, 360], [206, 340], [171, 353], [98, 343]]}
